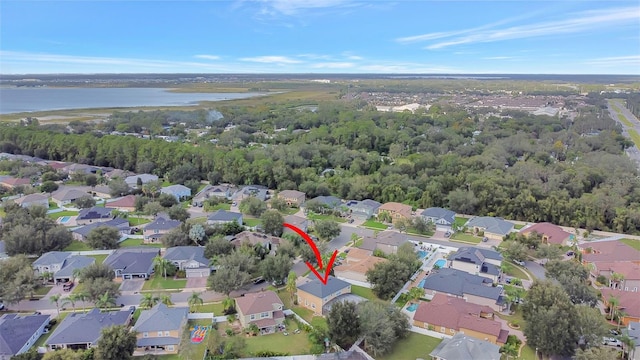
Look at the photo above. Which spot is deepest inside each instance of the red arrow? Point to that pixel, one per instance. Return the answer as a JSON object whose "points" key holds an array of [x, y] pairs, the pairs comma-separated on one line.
{"points": [[308, 239]]}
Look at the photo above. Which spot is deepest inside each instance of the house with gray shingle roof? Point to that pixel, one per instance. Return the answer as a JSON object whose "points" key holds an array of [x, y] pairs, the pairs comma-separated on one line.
{"points": [[154, 230], [223, 191], [32, 200], [93, 215], [224, 217], [131, 263], [82, 331], [493, 227], [477, 261], [178, 191], [461, 346], [19, 333], [132, 180], [191, 259], [474, 288], [61, 264], [365, 208], [122, 225], [330, 202], [256, 191], [67, 196], [314, 295], [387, 242], [160, 328], [442, 218]]}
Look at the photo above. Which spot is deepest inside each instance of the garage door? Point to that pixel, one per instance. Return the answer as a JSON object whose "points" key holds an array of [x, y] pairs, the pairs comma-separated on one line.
{"points": [[197, 273]]}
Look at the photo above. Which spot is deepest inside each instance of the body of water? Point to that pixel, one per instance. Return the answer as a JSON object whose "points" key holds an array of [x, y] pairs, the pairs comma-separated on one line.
{"points": [[28, 99]]}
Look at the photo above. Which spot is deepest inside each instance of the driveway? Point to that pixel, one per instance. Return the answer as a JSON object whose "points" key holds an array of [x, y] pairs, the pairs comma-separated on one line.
{"points": [[196, 283], [131, 285]]}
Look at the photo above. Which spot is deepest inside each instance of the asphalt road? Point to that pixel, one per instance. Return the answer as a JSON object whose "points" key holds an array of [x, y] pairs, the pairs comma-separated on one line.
{"points": [[633, 152]]}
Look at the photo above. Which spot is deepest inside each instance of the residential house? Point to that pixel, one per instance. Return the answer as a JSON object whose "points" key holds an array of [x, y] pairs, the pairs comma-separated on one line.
{"points": [[356, 354], [292, 197], [477, 261], [465, 347], [551, 234], [223, 192], [493, 228], [628, 278], [315, 295], [67, 195], [366, 208], [297, 221], [101, 191], [608, 251], [125, 203], [474, 288], [328, 202], [633, 331], [18, 333], [442, 218], [270, 242], [356, 265], [221, 217], [450, 315], [180, 192], [33, 200], [122, 225], [61, 265], [628, 303], [83, 330], [132, 180], [154, 230], [264, 309], [159, 329], [132, 262], [11, 182], [117, 173], [57, 166], [397, 211], [190, 259], [95, 214], [388, 242], [80, 169], [256, 191]]}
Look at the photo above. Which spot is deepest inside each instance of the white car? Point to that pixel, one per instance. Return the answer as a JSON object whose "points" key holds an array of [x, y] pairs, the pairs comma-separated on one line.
{"points": [[612, 342], [521, 263]]}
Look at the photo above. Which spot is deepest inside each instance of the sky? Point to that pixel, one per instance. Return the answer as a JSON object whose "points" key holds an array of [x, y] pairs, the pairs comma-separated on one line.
{"points": [[320, 36]]}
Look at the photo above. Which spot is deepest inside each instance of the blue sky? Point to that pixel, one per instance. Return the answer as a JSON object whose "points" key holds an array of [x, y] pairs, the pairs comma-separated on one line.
{"points": [[320, 36]]}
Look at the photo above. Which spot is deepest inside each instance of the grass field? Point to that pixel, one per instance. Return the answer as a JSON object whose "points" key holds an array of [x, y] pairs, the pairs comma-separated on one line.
{"points": [[325, 217], [158, 282], [364, 292], [459, 221], [518, 226], [99, 258], [252, 222], [137, 221], [294, 344], [216, 308], [62, 213], [374, 225], [467, 238], [515, 271], [415, 346], [139, 242], [289, 211], [633, 243], [77, 246], [635, 137], [222, 206]]}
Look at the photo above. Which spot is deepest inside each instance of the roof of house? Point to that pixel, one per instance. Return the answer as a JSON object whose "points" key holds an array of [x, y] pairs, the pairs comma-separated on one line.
{"points": [[68, 194], [145, 178], [162, 223], [132, 260], [403, 209], [52, 257], [117, 173], [118, 223], [316, 288], [181, 253], [257, 191], [360, 266], [329, 201], [224, 215], [609, 251], [554, 233], [95, 213], [254, 303], [125, 201], [16, 330], [457, 282], [475, 255], [161, 318], [295, 220], [30, 198], [461, 346], [629, 269], [371, 204], [291, 194], [175, 189], [342, 355], [440, 213], [456, 313], [254, 238], [629, 301], [79, 328], [16, 181], [491, 224], [72, 263], [391, 238]]}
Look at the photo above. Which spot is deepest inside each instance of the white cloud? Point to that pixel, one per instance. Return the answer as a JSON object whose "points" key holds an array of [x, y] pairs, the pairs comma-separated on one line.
{"points": [[333, 65], [293, 7], [272, 60], [208, 57], [631, 60]]}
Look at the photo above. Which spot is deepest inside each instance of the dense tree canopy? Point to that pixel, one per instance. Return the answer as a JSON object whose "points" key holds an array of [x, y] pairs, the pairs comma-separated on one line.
{"points": [[30, 231]]}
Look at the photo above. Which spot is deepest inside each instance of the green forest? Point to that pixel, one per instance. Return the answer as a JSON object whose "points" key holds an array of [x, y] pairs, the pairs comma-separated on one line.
{"points": [[512, 165]]}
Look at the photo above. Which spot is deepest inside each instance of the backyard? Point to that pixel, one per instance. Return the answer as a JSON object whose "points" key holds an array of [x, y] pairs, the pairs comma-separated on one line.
{"points": [[158, 282], [293, 344], [77, 246], [633, 243], [99, 258], [138, 242], [415, 346], [251, 222], [364, 292], [62, 213]]}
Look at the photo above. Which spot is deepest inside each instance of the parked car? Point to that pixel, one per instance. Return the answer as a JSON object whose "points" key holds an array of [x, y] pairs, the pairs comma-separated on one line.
{"points": [[521, 263], [1, 306], [570, 253], [132, 309], [447, 234], [351, 221], [485, 239], [258, 280], [611, 342], [614, 332]]}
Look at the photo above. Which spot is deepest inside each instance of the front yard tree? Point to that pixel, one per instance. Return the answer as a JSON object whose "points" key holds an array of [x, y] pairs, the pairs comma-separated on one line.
{"points": [[276, 268], [115, 343], [17, 279], [272, 222], [85, 202], [161, 265], [515, 251], [175, 237], [91, 180], [344, 324], [327, 229], [549, 252], [590, 326], [197, 233], [195, 300], [148, 300], [387, 278], [252, 206], [117, 187], [278, 204], [234, 271], [177, 212], [103, 237], [48, 187]]}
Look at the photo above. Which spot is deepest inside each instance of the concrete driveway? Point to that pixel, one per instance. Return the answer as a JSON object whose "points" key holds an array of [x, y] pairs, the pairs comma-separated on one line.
{"points": [[131, 285], [196, 283]]}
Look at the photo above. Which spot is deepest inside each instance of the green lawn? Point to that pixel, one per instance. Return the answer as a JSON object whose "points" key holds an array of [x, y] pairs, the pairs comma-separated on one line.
{"points": [[515, 271], [527, 353], [222, 206], [312, 216], [289, 211], [364, 292], [468, 238], [631, 242], [77, 246], [294, 344], [62, 213], [198, 349], [44, 337], [99, 258], [518, 226], [459, 221], [216, 308], [374, 224], [139, 242], [42, 290], [158, 282], [415, 346], [137, 221], [635, 137], [251, 222], [52, 205]]}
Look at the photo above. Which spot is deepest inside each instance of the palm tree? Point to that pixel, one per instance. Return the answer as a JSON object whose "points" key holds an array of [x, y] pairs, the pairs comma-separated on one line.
{"points": [[616, 279], [81, 296], [629, 345], [613, 303], [106, 300], [77, 272], [228, 303], [46, 276], [56, 300], [166, 299], [620, 314], [148, 300], [195, 300], [161, 265], [415, 294], [71, 299], [291, 286]]}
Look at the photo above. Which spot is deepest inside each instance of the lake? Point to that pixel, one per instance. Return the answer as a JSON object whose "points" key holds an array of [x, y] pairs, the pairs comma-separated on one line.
{"points": [[31, 99]]}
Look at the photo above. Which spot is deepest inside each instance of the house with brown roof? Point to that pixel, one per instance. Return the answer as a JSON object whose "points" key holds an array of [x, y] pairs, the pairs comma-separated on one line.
{"points": [[387, 242], [32, 200], [628, 302], [608, 251], [292, 197], [356, 265], [264, 309], [251, 238], [551, 234], [11, 182], [396, 210], [125, 203], [628, 278], [450, 315]]}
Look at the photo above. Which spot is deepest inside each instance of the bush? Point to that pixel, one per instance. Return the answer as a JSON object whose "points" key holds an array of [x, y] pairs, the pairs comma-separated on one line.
{"points": [[181, 274], [601, 279]]}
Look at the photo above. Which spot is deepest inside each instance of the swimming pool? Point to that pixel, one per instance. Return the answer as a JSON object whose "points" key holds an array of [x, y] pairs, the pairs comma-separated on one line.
{"points": [[421, 285], [440, 263], [412, 307], [64, 219], [422, 254]]}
